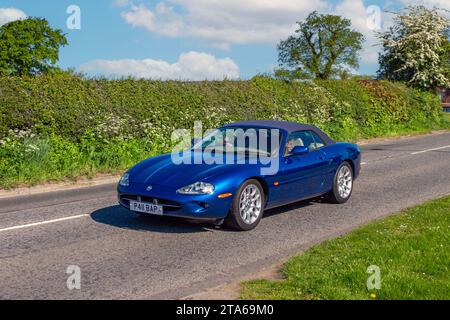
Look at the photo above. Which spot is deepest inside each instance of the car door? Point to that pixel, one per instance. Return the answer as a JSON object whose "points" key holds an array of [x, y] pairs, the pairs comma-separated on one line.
{"points": [[302, 175]]}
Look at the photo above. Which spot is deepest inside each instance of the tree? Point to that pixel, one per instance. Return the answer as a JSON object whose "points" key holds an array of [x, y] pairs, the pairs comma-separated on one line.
{"points": [[445, 58], [29, 47], [290, 75], [323, 46], [415, 48]]}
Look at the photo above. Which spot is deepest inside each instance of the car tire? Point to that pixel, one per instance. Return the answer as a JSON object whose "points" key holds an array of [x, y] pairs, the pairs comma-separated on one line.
{"points": [[247, 208], [342, 184]]}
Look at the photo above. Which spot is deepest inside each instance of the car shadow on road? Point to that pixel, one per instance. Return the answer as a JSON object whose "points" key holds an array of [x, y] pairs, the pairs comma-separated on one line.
{"points": [[119, 217], [292, 207]]}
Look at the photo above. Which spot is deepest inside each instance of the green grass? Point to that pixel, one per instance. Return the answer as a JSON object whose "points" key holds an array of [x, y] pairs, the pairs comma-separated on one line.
{"points": [[43, 160], [412, 250]]}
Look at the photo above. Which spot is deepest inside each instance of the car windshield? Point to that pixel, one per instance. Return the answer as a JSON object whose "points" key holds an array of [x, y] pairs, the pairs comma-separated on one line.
{"points": [[248, 140]]}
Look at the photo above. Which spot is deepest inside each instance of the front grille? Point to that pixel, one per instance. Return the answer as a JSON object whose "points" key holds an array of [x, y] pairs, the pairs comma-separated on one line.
{"points": [[168, 205]]}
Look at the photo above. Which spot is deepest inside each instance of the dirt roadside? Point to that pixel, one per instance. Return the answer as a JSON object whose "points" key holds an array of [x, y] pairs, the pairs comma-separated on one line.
{"points": [[231, 290], [60, 186]]}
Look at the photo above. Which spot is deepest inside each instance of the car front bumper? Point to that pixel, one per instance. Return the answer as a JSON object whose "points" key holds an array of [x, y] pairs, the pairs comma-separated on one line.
{"points": [[196, 207]]}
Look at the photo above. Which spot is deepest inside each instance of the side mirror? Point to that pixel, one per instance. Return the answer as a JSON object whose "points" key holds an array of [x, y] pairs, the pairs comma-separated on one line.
{"points": [[299, 150]]}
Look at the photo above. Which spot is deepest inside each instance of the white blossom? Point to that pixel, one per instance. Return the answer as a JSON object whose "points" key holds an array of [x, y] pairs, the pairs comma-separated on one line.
{"points": [[416, 40]]}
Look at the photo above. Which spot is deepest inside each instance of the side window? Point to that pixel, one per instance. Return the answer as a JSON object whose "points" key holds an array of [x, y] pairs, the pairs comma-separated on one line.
{"points": [[318, 140], [302, 138]]}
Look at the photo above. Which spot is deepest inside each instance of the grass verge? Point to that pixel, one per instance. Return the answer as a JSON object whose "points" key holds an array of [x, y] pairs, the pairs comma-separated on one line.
{"points": [[411, 249]]}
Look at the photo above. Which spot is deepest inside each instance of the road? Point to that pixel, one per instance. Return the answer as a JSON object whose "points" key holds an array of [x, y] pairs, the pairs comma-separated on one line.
{"points": [[123, 256]]}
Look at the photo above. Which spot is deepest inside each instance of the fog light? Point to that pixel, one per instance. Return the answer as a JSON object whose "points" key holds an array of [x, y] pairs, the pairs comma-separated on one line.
{"points": [[204, 205]]}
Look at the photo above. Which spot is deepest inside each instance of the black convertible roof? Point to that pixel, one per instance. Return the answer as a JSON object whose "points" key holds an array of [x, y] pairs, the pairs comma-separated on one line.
{"points": [[288, 126]]}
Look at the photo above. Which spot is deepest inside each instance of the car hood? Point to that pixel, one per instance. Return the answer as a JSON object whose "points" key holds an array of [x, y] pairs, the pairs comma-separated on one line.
{"points": [[162, 170]]}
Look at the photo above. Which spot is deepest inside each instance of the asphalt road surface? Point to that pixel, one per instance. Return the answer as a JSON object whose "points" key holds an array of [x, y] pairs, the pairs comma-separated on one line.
{"points": [[124, 256]]}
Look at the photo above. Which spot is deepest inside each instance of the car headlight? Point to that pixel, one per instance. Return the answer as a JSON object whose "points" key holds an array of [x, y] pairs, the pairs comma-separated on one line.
{"points": [[197, 188], [125, 180]]}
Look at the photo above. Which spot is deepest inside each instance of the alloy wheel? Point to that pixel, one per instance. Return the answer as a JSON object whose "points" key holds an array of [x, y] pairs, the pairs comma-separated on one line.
{"points": [[250, 204]]}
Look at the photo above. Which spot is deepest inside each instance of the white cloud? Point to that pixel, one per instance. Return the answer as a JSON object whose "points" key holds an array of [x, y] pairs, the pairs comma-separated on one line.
{"points": [[163, 20], [220, 22], [11, 14], [190, 66], [223, 23], [440, 4], [356, 12], [122, 3]]}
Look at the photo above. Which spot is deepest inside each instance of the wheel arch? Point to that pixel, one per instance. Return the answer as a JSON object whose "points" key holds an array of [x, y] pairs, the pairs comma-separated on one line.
{"points": [[352, 165]]}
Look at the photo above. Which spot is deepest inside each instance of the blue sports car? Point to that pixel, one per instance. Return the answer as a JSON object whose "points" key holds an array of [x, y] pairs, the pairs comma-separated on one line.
{"points": [[236, 172]]}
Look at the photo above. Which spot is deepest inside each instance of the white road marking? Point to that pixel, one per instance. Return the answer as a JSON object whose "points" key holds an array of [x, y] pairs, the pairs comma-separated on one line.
{"points": [[43, 222], [59, 204], [428, 150], [363, 163]]}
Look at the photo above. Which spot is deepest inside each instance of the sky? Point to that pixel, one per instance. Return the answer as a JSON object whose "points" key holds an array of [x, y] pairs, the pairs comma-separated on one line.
{"points": [[193, 39]]}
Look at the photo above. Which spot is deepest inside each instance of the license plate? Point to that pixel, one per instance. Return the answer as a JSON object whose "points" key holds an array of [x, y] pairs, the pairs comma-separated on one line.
{"points": [[144, 207]]}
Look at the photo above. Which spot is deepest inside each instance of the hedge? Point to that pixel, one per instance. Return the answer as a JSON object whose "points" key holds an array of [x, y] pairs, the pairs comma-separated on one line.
{"points": [[69, 106], [62, 126]]}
